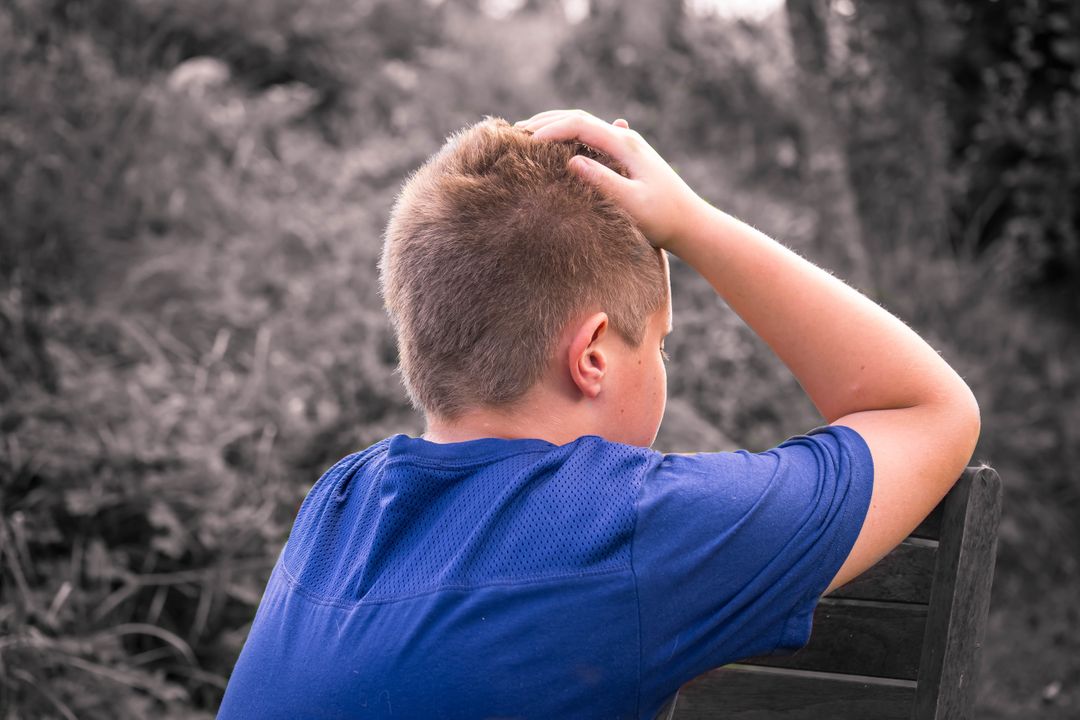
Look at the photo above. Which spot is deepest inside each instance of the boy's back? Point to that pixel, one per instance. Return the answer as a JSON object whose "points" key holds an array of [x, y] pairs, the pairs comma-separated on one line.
{"points": [[519, 578]]}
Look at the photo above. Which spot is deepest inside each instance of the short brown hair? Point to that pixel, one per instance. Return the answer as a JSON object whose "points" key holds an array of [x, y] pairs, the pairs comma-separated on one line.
{"points": [[492, 247]]}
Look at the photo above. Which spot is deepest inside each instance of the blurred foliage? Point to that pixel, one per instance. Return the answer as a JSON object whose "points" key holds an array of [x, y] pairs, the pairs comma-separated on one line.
{"points": [[731, 103], [1014, 109], [193, 197]]}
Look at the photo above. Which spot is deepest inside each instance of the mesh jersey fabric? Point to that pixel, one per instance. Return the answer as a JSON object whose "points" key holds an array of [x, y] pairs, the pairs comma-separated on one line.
{"points": [[515, 578]]}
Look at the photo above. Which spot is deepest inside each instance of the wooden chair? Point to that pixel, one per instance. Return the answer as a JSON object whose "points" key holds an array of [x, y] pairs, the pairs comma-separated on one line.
{"points": [[900, 642]]}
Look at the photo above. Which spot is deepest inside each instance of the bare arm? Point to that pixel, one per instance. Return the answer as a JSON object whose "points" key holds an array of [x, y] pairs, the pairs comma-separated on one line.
{"points": [[860, 365]]}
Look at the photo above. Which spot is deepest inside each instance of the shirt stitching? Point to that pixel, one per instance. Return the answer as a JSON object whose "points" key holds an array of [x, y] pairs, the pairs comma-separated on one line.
{"points": [[321, 600], [637, 598], [459, 463]]}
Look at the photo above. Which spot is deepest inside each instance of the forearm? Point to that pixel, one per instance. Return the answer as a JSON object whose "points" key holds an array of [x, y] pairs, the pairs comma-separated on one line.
{"points": [[848, 353]]}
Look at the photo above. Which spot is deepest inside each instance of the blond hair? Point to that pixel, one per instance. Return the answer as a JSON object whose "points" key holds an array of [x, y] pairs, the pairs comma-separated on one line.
{"points": [[492, 247]]}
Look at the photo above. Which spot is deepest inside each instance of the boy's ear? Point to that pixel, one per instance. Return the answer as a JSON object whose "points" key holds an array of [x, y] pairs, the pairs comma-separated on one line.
{"points": [[588, 363]]}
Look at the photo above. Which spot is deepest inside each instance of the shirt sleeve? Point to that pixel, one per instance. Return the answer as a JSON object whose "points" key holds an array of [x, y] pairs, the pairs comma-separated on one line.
{"points": [[733, 550]]}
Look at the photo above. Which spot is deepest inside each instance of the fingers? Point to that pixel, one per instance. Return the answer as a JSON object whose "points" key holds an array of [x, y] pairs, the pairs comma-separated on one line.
{"points": [[594, 132], [544, 119], [607, 180], [546, 115], [589, 130]]}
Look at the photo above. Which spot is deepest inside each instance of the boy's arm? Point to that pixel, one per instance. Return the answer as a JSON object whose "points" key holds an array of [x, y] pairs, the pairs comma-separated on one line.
{"points": [[860, 365]]}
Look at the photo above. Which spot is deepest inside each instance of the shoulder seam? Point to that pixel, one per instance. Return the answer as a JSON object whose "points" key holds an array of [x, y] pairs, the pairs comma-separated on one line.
{"points": [[633, 575], [321, 600]]}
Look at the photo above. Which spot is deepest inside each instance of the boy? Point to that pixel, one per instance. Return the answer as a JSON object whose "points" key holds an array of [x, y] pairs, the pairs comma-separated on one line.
{"points": [[530, 556]]}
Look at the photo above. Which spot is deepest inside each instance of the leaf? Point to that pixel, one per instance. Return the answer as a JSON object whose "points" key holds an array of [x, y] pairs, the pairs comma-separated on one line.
{"points": [[103, 565], [84, 502], [171, 536]]}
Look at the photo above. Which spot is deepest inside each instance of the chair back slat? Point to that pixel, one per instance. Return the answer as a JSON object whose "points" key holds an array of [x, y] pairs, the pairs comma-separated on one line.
{"points": [[860, 638], [738, 692], [904, 575], [930, 527], [960, 599]]}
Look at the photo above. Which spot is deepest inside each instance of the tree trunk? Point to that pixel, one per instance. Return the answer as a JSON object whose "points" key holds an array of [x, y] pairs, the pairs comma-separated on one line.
{"points": [[829, 178], [896, 123]]}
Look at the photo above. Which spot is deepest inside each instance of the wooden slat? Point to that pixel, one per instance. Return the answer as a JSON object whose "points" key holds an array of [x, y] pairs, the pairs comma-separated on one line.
{"points": [[960, 598], [904, 575], [745, 693], [930, 528], [863, 638]]}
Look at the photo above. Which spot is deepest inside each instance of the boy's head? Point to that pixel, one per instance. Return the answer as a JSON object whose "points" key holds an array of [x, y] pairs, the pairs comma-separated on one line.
{"points": [[493, 247]]}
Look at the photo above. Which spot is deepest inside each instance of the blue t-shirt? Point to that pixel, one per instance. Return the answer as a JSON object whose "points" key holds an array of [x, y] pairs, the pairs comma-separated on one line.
{"points": [[516, 578]]}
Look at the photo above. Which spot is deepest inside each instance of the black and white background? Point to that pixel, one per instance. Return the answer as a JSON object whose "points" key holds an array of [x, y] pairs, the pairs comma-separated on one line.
{"points": [[192, 196]]}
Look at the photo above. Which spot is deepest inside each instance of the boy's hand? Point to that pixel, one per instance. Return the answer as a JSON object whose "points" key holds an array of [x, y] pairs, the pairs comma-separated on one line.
{"points": [[654, 195]]}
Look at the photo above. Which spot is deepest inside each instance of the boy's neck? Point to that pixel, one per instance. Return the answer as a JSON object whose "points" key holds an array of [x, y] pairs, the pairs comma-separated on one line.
{"points": [[536, 417]]}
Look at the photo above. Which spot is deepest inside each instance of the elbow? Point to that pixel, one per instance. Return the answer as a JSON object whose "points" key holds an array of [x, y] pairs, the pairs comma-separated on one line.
{"points": [[976, 422], [960, 420], [969, 422]]}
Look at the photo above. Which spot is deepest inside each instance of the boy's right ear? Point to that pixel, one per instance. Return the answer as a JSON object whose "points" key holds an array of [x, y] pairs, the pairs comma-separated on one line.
{"points": [[587, 355]]}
